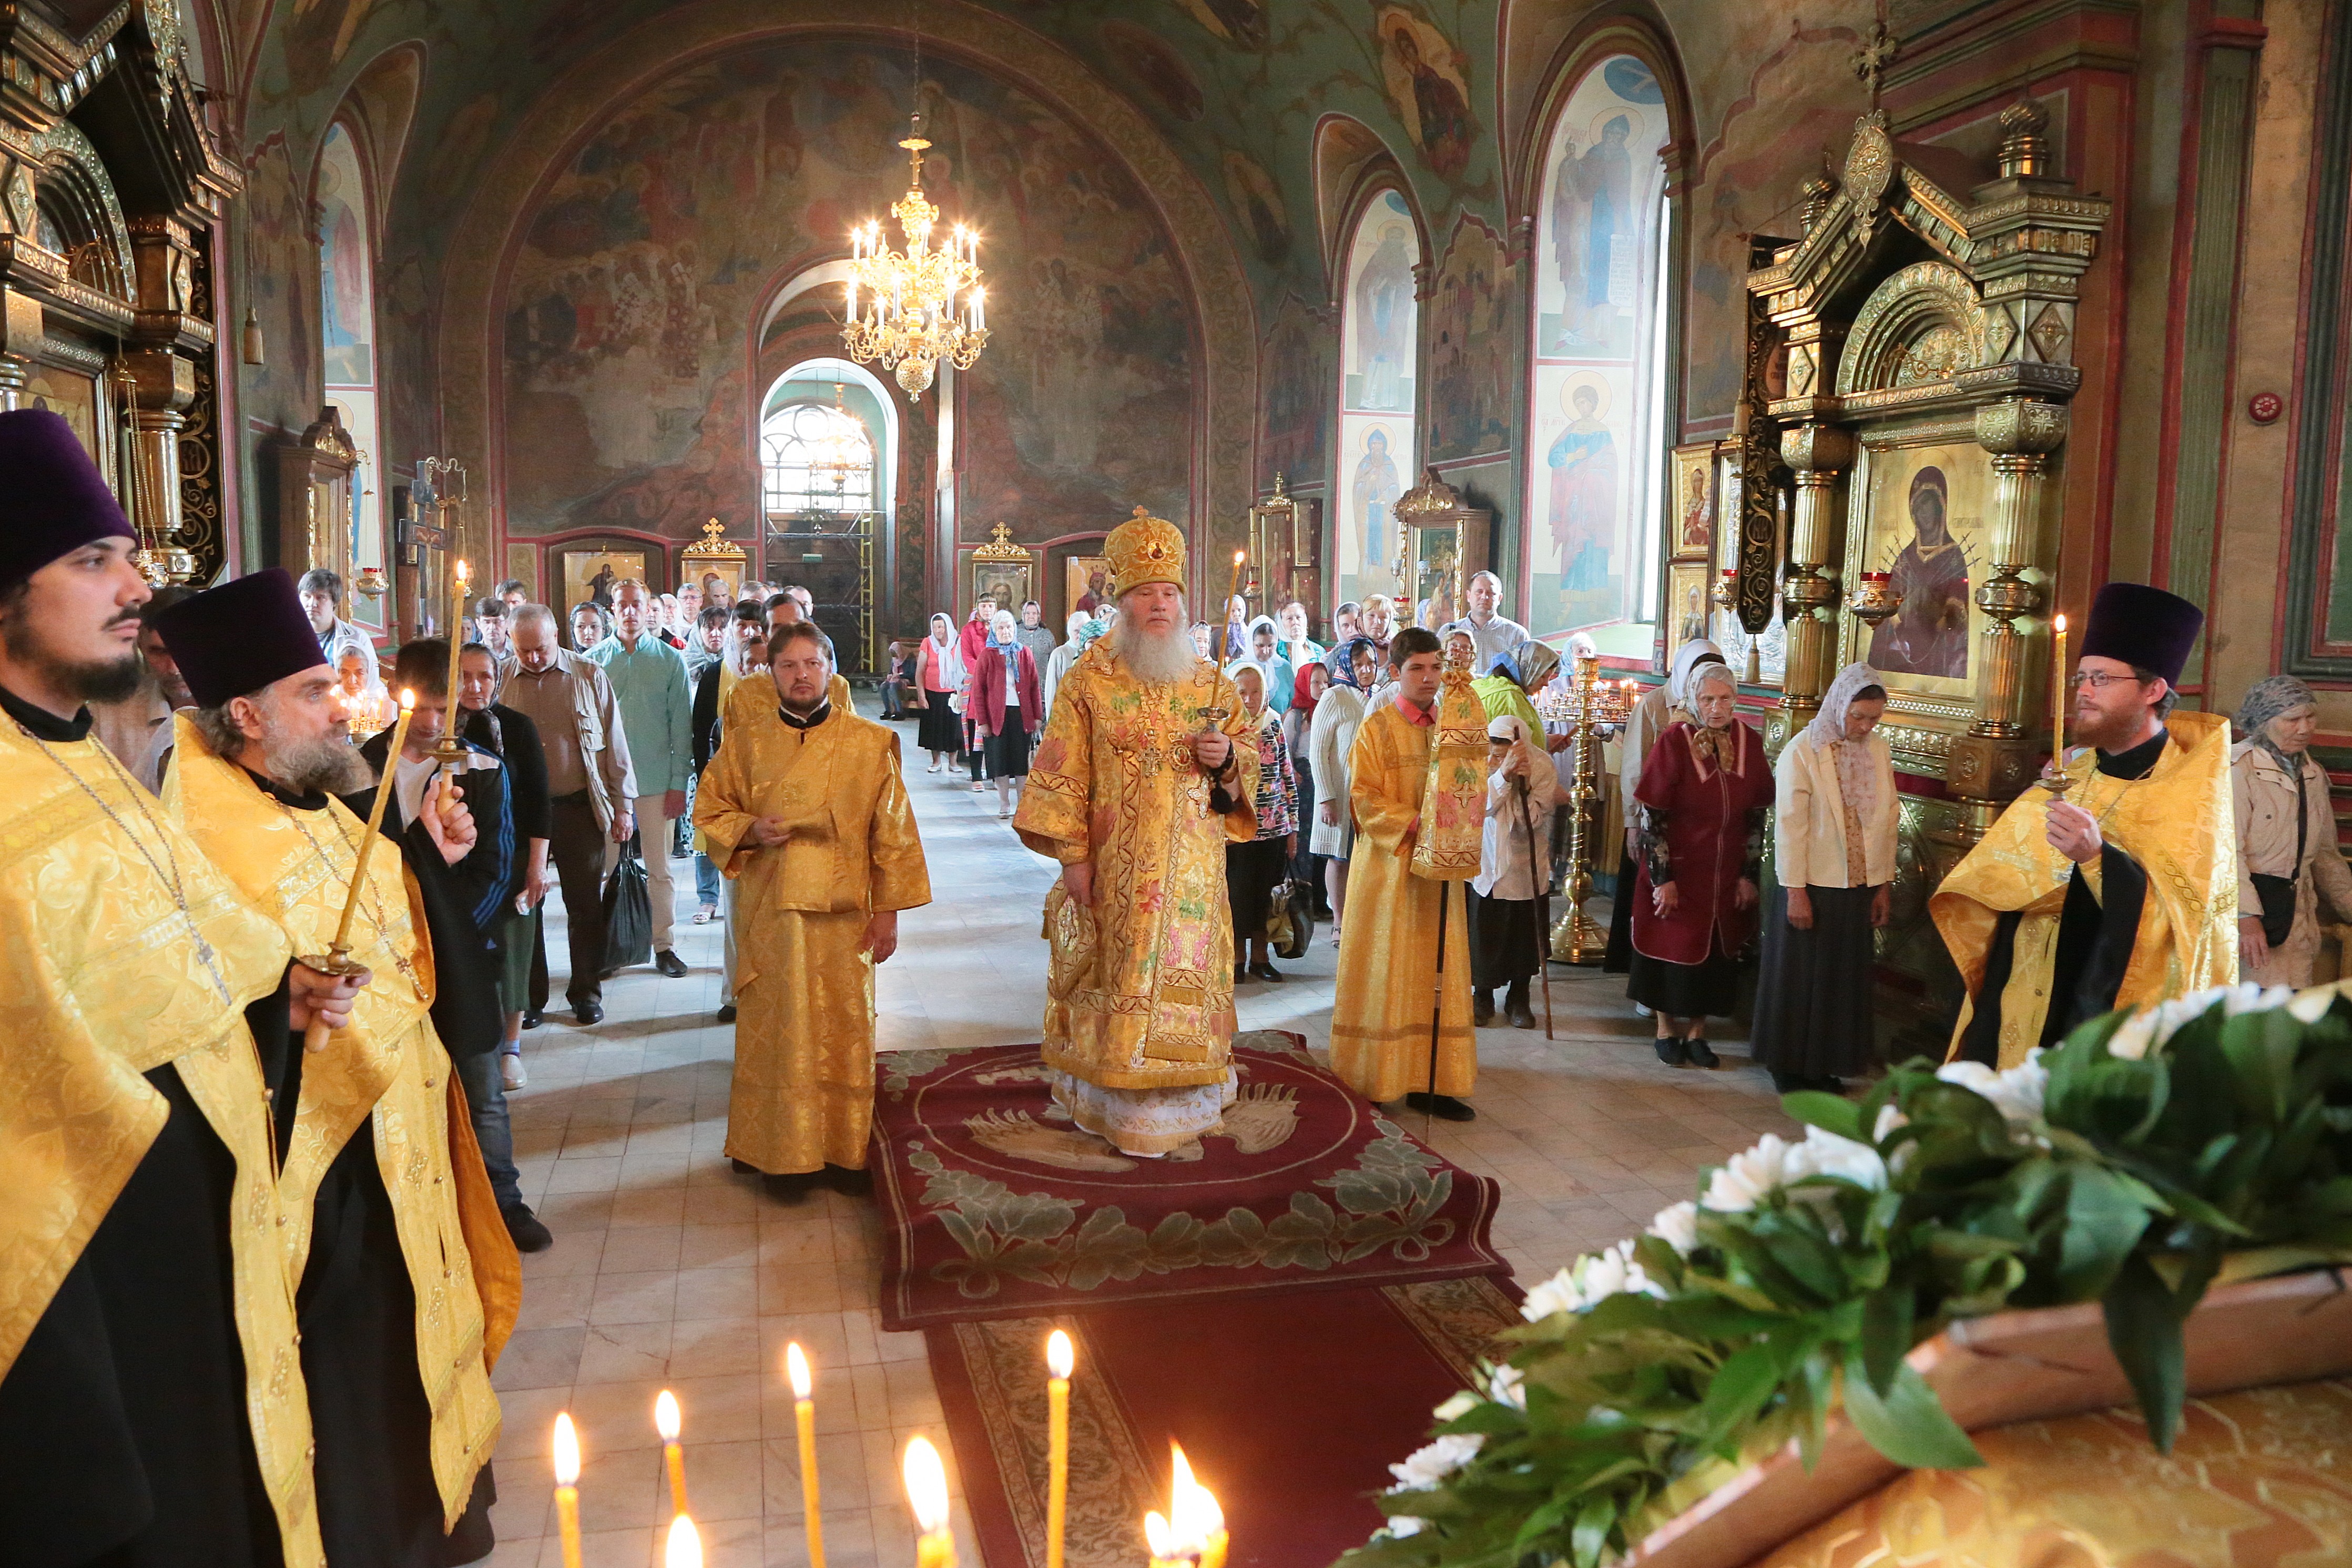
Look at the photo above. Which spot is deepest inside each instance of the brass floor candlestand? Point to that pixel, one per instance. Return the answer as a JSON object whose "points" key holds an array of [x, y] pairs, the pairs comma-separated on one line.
{"points": [[1596, 708]]}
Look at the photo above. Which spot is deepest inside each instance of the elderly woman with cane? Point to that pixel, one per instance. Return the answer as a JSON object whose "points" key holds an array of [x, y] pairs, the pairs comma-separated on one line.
{"points": [[1507, 940], [1703, 793]]}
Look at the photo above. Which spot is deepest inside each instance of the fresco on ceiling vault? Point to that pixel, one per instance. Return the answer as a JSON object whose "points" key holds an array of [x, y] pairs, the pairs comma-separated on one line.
{"points": [[318, 35], [1472, 389], [1297, 374], [1429, 84], [1236, 21], [1160, 70], [647, 258], [1257, 201]]}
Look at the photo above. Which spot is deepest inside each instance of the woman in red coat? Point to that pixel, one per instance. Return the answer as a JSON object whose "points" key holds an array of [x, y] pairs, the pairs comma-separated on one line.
{"points": [[1704, 795], [1007, 707]]}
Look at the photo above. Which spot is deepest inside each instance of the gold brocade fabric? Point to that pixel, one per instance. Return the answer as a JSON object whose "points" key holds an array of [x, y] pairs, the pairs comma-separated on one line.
{"points": [[746, 697], [1140, 989], [2177, 824], [386, 1065], [1388, 945], [803, 1089], [103, 978], [2257, 1479], [1452, 839]]}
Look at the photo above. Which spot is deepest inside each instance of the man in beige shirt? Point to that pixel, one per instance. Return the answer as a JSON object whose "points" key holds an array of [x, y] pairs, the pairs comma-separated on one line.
{"points": [[589, 784]]}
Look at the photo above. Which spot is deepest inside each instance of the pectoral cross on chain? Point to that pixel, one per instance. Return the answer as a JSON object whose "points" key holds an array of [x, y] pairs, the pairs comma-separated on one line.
{"points": [[1871, 60]]}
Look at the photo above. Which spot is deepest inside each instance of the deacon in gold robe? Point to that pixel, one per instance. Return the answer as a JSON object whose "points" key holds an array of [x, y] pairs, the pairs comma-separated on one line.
{"points": [[1391, 979], [1136, 788], [2123, 892], [782, 610], [153, 1409], [805, 809], [391, 1226]]}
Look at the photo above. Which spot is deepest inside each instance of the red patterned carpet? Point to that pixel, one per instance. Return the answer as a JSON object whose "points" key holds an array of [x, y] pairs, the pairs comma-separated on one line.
{"points": [[993, 1205]]}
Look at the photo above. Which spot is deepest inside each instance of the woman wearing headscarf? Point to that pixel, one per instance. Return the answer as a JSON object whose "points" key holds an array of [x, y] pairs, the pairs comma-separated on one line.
{"points": [[1833, 830], [1661, 706], [2287, 835], [1272, 667], [1703, 792], [1299, 648], [1307, 689], [1253, 870], [1006, 707], [1337, 717], [1507, 943], [1084, 629], [939, 675]]}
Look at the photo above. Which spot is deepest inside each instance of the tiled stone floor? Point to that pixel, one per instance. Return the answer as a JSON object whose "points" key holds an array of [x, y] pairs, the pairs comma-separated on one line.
{"points": [[669, 1270]]}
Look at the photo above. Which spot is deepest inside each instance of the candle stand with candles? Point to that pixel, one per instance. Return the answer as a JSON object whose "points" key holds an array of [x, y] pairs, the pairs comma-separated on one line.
{"points": [[1594, 708]]}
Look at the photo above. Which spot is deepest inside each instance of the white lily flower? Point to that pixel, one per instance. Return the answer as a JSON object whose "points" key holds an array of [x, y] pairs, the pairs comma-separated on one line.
{"points": [[1827, 1155], [1426, 1468], [1553, 1296], [1508, 1386], [2310, 1006], [1456, 1407], [1403, 1524], [1890, 1121], [1746, 1178], [2017, 1093], [1677, 1226]]}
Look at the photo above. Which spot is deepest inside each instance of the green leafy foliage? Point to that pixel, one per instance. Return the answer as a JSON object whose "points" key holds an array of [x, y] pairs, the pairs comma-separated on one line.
{"points": [[2133, 1164]]}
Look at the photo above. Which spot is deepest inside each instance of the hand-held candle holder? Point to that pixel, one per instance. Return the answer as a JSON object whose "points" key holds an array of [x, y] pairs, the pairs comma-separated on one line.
{"points": [[667, 1423], [796, 1369], [337, 961], [450, 752], [567, 1489], [2061, 689], [927, 1493]]}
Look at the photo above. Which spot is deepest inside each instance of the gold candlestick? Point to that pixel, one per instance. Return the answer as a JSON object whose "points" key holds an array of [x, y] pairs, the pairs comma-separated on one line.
{"points": [[448, 750], [667, 1423], [567, 1489], [1060, 1359], [796, 1366], [337, 961], [1576, 938], [927, 1492]]}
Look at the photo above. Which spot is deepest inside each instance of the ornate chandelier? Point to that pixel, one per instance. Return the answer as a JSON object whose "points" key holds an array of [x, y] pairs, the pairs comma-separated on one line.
{"points": [[838, 454], [920, 306]]}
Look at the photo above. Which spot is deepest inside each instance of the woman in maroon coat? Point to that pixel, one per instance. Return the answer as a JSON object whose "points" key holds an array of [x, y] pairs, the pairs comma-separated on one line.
{"points": [[1704, 795], [1007, 707]]}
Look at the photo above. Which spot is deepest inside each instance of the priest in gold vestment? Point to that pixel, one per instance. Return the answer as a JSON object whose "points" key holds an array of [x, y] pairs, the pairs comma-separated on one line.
{"points": [[1391, 981], [391, 1228], [1135, 793], [152, 1407], [803, 808], [2125, 891]]}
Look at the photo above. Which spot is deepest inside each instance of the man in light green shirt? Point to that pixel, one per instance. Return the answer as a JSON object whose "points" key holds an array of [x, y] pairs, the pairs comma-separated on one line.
{"points": [[648, 678]]}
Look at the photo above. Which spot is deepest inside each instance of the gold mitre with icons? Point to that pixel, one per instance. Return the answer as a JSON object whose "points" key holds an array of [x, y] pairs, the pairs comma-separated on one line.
{"points": [[1145, 549]]}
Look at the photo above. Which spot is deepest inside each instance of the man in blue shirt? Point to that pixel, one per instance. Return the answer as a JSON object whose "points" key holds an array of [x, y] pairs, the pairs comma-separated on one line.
{"points": [[648, 678]]}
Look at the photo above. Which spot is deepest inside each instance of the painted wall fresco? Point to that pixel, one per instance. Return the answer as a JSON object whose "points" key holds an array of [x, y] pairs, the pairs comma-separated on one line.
{"points": [[347, 333], [1473, 392], [1428, 81], [1378, 334], [1592, 540], [648, 255], [1295, 378]]}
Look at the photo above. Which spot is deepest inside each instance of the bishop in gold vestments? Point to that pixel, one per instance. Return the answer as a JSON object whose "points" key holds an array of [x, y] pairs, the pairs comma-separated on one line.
{"points": [[1140, 986], [1389, 982], [823, 784], [2043, 941]]}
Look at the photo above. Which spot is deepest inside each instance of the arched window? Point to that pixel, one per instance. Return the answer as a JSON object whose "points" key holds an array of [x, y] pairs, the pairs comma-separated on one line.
{"points": [[347, 333], [814, 458], [1378, 333], [1593, 506]]}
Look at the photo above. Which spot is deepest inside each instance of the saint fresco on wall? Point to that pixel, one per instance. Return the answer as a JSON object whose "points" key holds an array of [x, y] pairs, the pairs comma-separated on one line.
{"points": [[654, 247], [1377, 334], [1428, 84], [1593, 501], [1257, 201], [1160, 70], [1236, 21], [1295, 374], [1471, 386]]}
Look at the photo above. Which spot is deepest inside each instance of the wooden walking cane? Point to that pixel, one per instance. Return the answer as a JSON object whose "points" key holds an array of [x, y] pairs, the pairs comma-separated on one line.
{"points": [[1543, 905]]}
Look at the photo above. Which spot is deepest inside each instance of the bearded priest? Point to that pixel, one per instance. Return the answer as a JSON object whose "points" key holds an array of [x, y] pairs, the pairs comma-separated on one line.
{"points": [[390, 1227], [2125, 890], [151, 1401], [804, 811], [1137, 788]]}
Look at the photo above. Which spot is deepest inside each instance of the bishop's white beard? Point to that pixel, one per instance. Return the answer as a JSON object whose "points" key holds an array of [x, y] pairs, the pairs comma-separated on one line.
{"points": [[1158, 658]]}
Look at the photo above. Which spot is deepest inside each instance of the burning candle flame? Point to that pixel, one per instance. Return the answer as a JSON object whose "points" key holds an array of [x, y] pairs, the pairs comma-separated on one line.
{"points": [[2059, 624], [407, 699], [1060, 1355], [463, 575], [567, 1452], [796, 1367], [1193, 1514], [1156, 1536], [666, 1419], [927, 1486], [684, 1547]]}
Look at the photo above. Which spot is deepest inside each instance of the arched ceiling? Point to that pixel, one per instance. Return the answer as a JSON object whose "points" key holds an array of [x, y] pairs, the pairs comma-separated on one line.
{"points": [[1235, 87]]}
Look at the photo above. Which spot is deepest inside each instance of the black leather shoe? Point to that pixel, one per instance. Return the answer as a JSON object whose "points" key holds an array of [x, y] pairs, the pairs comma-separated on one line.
{"points": [[1790, 1082], [1482, 1008], [1444, 1106], [1701, 1054], [530, 1235], [670, 963], [589, 1014], [1672, 1051], [1521, 1015], [858, 1183], [1265, 971], [533, 1018], [727, 1013]]}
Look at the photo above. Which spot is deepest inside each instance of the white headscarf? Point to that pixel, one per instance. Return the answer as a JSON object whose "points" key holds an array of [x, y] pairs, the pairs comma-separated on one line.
{"points": [[1686, 658], [1828, 726]]}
